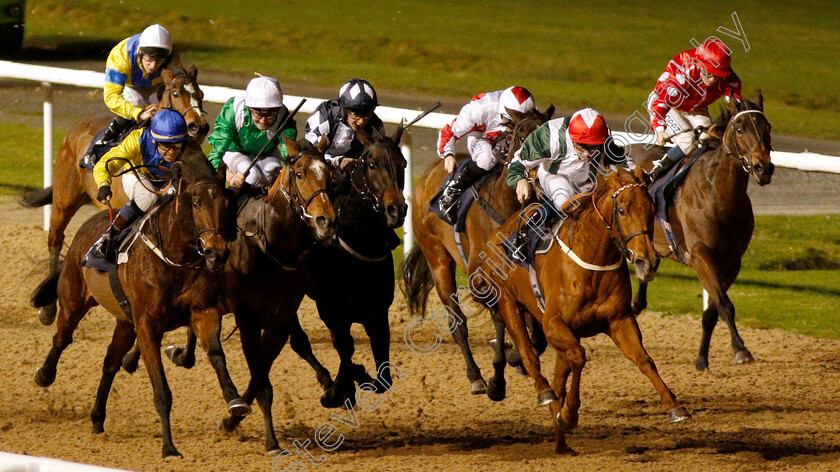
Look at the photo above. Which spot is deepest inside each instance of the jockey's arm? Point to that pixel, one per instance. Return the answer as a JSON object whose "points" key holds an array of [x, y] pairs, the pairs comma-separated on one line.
{"points": [[224, 134], [533, 152], [118, 158], [117, 70]]}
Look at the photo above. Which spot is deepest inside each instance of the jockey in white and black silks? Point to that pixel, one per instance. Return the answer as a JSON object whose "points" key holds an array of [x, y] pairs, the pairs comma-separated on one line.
{"points": [[692, 81], [482, 120], [149, 152], [338, 120]]}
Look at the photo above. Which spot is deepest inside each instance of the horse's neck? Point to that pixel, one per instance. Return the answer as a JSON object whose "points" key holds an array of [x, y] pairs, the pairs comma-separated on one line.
{"points": [[502, 197], [173, 232], [590, 238], [359, 224], [282, 226], [727, 181]]}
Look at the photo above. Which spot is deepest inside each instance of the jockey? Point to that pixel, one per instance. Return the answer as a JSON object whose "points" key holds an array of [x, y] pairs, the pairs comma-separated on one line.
{"points": [[568, 151], [339, 119], [692, 81], [155, 148], [247, 125], [133, 82], [486, 123]]}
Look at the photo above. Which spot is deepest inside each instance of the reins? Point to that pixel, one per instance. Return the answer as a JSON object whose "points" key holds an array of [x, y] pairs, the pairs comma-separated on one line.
{"points": [[739, 156]]}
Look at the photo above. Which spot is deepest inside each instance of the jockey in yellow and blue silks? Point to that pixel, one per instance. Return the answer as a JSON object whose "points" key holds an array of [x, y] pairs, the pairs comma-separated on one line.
{"points": [[133, 82], [151, 151]]}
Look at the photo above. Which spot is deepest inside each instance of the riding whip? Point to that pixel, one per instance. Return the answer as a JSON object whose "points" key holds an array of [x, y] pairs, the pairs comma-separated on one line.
{"points": [[279, 130], [421, 115]]}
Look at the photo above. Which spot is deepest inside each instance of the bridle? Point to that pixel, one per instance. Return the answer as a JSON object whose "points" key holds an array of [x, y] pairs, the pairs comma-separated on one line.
{"points": [[196, 102], [621, 241], [362, 185], [298, 203], [738, 155]]}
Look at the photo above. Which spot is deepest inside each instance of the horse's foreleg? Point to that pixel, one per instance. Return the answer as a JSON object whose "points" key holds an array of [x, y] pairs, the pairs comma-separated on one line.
{"points": [[272, 342], [443, 273], [149, 340], [560, 337], [207, 324], [183, 356], [513, 318], [496, 387], [626, 335], [703, 261], [640, 300], [379, 334], [121, 342], [344, 386], [249, 337], [558, 384], [61, 213], [299, 341]]}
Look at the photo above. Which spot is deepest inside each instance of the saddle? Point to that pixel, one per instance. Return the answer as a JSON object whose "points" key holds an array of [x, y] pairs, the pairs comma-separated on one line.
{"points": [[464, 201], [99, 150]]}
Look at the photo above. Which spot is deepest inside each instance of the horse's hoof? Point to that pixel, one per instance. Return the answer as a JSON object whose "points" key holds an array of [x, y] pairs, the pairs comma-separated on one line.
{"points": [[329, 399], [545, 397], [701, 364], [564, 450], [170, 453], [98, 427], [678, 414], [496, 390], [273, 452], [744, 357], [520, 369], [47, 314], [238, 407], [42, 379], [637, 307], [228, 423], [478, 387], [567, 419], [130, 361]]}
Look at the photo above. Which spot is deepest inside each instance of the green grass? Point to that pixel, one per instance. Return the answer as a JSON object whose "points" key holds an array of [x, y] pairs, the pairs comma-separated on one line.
{"points": [[606, 55], [21, 159]]}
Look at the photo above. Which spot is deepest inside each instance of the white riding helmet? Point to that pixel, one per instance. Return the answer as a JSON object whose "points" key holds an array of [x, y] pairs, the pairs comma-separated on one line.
{"points": [[264, 92], [157, 37], [516, 98]]}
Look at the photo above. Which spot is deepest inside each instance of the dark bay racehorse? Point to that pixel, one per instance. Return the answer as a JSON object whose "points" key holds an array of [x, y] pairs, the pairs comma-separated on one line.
{"points": [[171, 279], [432, 262], [353, 281], [712, 215], [74, 186], [611, 225]]}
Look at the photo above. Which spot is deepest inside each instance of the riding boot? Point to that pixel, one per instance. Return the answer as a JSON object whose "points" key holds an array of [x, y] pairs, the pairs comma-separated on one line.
{"points": [[451, 194], [103, 247], [115, 129], [664, 164]]}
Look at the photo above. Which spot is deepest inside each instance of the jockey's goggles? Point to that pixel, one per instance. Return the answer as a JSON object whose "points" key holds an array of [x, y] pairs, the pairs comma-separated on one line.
{"points": [[169, 146], [264, 113], [365, 115]]}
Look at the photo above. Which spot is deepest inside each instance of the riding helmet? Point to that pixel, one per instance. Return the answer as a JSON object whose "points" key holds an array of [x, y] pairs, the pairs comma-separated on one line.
{"points": [[587, 126], [516, 98], [715, 57], [357, 95], [155, 42], [264, 92], [168, 126]]}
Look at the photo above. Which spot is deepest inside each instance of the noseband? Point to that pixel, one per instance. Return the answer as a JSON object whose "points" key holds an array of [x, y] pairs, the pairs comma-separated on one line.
{"points": [[197, 107], [621, 242], [299, 204], [364, 187]]}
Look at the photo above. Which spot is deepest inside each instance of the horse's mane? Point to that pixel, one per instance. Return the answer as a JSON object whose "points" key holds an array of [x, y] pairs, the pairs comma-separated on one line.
{"points": [[719, 124], [195, 166], [177, 70], [603, 184]]}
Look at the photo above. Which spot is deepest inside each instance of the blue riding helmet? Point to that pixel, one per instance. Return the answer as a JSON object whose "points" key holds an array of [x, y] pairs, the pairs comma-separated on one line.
{"points": [[358, 95], [168, 126]]}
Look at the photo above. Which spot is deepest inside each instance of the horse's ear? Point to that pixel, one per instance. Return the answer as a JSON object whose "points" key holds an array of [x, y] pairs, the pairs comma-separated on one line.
{"points": [[291, 146], [398, 133], [323, 143], [639, 173], [549, 111], [194, 72], [175, 174], [759, 99], [515, 115], [221, 173], [364, 136], [733, 105], [167, 75]]}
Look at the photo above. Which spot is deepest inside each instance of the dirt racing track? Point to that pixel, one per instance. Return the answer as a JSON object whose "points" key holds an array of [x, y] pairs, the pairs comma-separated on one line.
{"points": [[781, 413]]}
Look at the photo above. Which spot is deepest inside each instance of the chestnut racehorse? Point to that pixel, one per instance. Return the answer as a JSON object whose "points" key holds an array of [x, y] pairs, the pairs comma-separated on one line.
{"points": [[712, 217], [586, 285], [74, 186], [432, 262], [171, 279]]}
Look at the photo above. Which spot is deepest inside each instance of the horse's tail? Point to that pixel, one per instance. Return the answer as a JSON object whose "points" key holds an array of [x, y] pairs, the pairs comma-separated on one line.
{"points": [[36, 198], [47, 291], [417, 278]]}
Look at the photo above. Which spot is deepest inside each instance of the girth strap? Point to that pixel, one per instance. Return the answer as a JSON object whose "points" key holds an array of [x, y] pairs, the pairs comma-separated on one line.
{"points": [[116, 288]]}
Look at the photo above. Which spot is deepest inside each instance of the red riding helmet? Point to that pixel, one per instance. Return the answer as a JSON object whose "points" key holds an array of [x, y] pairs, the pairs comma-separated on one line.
{"points": [[587, 126], [714, 55]]}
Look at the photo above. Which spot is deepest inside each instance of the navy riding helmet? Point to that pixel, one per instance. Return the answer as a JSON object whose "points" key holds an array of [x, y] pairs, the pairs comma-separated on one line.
{"points": [[358, 95], [168, 126]]}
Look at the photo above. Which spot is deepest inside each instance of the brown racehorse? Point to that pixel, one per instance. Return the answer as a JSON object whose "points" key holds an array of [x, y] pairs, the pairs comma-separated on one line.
{"points": [[436, 244], [74, 186], [171, 279], [609, 226], [712, 215]]}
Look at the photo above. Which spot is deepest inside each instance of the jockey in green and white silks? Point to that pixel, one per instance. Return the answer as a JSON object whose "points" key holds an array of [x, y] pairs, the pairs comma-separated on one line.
{"points": [[247, 125], [566, 152]]}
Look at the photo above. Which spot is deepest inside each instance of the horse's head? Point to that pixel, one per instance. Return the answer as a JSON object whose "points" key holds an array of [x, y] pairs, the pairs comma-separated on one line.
{"points": [[203, 197], [522, 124], [183, 95], [304, 182], [747, 137], [626, 198], [379, 175]]}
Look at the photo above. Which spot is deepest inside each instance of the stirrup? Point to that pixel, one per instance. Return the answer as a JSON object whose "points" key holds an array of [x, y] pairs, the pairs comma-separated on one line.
{"points": [[102, 247]]}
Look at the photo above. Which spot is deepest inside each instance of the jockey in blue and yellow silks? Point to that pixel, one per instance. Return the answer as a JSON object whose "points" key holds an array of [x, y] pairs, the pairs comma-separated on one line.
{"points": [[133, 81], [150, 152]]}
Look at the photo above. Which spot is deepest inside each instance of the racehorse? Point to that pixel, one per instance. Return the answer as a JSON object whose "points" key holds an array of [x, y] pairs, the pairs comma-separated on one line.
{"points": [[74, 186], [353, 281], [266, 276], [171, 279], [712, 217], [436, 244], [586, 286]]}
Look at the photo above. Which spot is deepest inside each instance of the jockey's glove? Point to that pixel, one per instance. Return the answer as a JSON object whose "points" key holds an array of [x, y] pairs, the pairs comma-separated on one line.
{"points": [[104, 194]]}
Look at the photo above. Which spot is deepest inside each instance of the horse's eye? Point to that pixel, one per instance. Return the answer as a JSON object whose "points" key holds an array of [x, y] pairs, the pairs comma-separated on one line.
{"points": [[621, 211], [195, 203], [175, 94], [739, 130], [298, 175], [372, 165]]}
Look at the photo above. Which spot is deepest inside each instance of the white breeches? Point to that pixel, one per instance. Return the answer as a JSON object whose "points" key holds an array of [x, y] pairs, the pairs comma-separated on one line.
{"points": [[559, 188], [264, 172], [481, 151], [138, 190], [141, 97]]}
